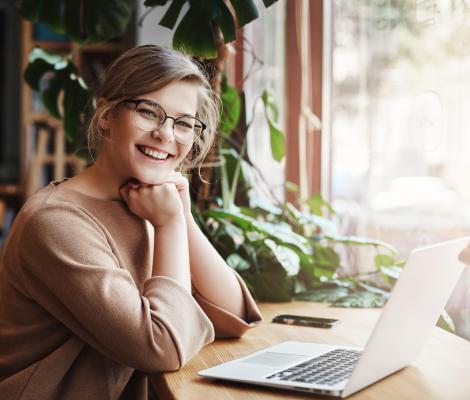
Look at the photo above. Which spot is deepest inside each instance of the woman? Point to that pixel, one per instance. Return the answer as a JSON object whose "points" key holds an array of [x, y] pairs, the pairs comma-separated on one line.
{"points": [[105, 276]]}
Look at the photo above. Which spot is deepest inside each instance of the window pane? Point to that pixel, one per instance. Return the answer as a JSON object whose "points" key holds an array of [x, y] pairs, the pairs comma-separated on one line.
{"points": [[264, 68], [400, 100]]}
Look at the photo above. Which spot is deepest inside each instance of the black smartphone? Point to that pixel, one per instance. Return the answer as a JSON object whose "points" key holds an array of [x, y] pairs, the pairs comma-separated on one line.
{"points": [[305, 321]]}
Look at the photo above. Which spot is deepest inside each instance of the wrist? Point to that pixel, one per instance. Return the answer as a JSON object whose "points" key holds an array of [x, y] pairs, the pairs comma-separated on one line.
{"points": [[178, 220]]}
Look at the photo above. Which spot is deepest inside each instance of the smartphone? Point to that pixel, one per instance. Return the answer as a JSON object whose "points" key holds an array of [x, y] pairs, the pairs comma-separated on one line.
{"points": [[305, 321]]}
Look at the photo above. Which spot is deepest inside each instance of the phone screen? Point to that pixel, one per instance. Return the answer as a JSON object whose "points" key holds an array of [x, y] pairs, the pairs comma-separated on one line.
{"points": [[305, 320]]}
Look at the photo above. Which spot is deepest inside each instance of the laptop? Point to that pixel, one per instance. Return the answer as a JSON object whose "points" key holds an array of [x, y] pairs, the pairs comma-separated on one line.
{"points": [[417, 300]]}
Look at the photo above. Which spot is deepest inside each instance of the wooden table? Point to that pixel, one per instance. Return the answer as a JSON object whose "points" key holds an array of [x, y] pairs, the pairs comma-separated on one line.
{"points": [[441, 372]]}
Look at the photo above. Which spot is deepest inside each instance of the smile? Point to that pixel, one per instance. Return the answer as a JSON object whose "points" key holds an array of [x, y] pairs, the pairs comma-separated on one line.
{"points": [[154, 154]]}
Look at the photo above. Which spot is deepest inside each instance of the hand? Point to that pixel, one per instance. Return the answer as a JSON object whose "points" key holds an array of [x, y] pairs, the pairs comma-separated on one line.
{"points": [[182, 184], [159, 204]]}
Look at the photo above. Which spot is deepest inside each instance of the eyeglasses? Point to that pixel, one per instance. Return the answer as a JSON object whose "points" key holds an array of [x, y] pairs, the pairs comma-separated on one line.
{"points": [[150, 116]]}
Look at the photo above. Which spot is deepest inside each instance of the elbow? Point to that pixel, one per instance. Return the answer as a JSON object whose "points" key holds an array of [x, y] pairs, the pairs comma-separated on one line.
{"points": [[171, 350]]}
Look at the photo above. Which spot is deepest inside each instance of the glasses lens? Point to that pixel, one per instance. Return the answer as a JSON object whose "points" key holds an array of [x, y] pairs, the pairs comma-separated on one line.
{"points": [[149, 117], [186, 128]]}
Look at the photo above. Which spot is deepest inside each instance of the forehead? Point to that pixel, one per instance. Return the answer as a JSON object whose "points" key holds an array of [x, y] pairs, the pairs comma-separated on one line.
{"points": [[179, 97]]}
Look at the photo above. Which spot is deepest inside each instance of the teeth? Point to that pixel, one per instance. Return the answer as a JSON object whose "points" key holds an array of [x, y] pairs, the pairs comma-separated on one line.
{"points": [[154, 153]]}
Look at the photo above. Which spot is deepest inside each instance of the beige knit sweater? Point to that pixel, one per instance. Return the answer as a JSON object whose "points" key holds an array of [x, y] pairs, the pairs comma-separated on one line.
{"points": [[81, 317]]}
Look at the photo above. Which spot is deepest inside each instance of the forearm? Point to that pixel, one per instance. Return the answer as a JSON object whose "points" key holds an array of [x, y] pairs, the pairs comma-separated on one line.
{"points": [[211, 276], [171, 253]]}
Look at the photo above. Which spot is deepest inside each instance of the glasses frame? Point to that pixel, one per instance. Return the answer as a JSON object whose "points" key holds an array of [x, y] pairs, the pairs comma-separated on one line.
{"points": [[136, 103]]}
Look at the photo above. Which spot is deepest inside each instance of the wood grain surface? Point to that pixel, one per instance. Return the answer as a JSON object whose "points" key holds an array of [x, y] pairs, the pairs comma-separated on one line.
{"points": [[441, 372]]}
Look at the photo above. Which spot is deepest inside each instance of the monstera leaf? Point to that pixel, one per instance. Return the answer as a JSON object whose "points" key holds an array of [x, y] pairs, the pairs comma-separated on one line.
{"points": [[195, 33], [84, 21], [62, 83]]}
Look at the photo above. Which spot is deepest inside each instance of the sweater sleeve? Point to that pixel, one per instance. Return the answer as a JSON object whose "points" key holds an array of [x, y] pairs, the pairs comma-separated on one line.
{"points": [[70, 270], [225, 323]]}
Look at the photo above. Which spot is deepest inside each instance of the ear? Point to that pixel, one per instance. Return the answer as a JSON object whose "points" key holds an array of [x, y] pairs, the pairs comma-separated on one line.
{"points": [[104, 118]]}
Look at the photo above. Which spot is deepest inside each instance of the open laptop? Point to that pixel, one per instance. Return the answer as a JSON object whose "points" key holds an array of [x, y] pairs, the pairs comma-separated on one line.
{"points": [[408, 318]]}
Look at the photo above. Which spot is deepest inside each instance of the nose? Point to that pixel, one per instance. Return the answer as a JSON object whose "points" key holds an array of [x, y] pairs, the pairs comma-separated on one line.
{"points": [[165, 132]]}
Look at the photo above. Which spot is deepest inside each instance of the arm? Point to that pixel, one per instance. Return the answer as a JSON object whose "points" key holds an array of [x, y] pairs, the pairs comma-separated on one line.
{"points": [[211, 276], [219, 290], [75, 276]]}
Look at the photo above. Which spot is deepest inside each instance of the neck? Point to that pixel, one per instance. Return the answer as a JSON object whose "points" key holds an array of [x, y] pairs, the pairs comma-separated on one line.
{"points": [[100, 181]]}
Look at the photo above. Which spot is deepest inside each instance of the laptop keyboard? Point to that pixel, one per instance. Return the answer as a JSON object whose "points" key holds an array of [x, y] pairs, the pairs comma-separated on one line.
{"points": [[327, 369]]}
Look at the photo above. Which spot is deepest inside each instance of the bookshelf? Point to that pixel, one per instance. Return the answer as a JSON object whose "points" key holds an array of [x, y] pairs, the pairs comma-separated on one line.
{"points": [[44, 153]]}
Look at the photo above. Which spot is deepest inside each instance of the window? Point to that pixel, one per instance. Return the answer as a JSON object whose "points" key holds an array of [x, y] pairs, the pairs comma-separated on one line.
{"points": [[264, 51], [400, 95]]}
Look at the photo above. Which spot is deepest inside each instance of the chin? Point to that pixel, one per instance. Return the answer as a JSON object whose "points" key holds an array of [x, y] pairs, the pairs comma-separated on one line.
{"points": [[153, 179]]}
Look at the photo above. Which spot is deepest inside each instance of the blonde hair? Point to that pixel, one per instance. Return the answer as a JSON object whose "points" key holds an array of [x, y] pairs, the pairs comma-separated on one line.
{"points": [[145, 69]]}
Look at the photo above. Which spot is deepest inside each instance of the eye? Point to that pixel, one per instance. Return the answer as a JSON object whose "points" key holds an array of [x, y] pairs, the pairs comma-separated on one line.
{"points": [[185, 123]]}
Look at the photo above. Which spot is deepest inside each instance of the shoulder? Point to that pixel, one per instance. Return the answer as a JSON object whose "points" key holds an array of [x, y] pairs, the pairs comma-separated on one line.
{"points": [[46, 209]]}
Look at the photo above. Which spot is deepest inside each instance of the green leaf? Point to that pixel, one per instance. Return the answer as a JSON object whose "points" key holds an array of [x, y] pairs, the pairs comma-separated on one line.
{"points": [[270, 105], [237, 262], [154, 3], [245, 10], [391, 272], [356, 240], [384, 260], [64, 78], [82, 20], [75, 101], [172, 14], [268, 3], [323, 294], [194, 34], [325, 257], [34, 72], [291, 187], [50, 96], [231, 107], [286, 257], [272, 285], [277, 142], [317, 204], [361, 300], [272, 116], [226, 23]]}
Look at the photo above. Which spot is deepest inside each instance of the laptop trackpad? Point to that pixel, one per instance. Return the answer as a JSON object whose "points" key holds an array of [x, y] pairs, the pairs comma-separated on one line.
{"points": [[273, 359]]}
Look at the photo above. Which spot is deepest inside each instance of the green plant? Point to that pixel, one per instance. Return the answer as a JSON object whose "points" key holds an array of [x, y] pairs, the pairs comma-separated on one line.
{"points": [[203, 30], [279, 250]]}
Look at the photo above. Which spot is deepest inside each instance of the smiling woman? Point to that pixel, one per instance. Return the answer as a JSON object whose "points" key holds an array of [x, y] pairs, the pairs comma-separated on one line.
{"points": [[105, 276]]}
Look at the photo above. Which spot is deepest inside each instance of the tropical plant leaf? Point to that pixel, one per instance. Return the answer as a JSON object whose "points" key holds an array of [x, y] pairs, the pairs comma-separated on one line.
{"points": [[318, 205], [276, 135], [245, 10], [64, 78], [237, 262], [194, 34], [329, 295], [361, 299], [356, 241], [84, 21], [277, 141], [285, 256], [172, 14], [271, 284], [384, 260], [231, 107], [325, 257], [268, 3], [291, 187], [154, 3]]}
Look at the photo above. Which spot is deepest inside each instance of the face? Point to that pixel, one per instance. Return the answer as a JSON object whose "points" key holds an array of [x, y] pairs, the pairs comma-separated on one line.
{"points": [[148, 156]]}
